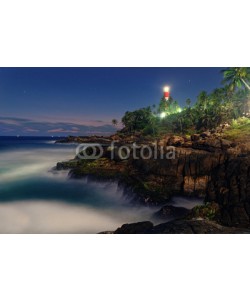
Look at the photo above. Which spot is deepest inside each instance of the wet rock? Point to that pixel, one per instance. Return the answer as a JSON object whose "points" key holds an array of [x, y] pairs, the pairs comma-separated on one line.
{"points": [[66, 165], [179, 227], [189, 227], [169, 211], [140, 227]]}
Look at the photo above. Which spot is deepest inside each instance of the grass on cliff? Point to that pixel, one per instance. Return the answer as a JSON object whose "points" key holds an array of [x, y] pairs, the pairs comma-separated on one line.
{"points": [[240, 130]]}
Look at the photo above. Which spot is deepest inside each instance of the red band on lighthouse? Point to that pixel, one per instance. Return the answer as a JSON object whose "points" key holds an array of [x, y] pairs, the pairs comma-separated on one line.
{"points": [[166, 94]]}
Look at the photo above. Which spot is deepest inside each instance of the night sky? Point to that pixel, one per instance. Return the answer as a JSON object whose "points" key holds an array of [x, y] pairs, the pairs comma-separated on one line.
{"points": [[64, 101]]}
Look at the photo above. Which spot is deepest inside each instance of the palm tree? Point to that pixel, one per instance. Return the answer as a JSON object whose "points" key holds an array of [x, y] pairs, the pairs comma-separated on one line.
{"points": [[202, 101], [235, 77], [114, 122]]}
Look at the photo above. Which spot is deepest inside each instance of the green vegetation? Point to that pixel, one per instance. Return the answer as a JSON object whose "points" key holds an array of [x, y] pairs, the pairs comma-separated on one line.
{"points": [[240, 129], [223, 105], [143, 120], [236, 77], [209, 211]]}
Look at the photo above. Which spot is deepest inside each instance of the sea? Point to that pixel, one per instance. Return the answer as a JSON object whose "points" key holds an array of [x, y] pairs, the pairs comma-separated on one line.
{"points": [[35, 198]]}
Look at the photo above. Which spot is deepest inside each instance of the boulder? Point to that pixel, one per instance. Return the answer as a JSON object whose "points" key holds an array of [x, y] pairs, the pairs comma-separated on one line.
{"points": [[175, 141], [140, 227], [66, 165], [211, 145], [205, 134]]}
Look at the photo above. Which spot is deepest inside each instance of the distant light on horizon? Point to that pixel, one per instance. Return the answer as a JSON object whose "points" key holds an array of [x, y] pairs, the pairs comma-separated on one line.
{"points": [[166, 89]]}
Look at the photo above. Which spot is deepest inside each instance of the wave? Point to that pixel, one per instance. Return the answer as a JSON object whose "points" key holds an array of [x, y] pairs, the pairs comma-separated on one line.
{"points": [[187, 202], [47, 216], [35, 200]]}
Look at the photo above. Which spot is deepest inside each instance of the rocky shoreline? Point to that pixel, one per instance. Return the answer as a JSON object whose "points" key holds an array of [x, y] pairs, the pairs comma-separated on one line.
{"points": [[195, 226], [205, 165]]}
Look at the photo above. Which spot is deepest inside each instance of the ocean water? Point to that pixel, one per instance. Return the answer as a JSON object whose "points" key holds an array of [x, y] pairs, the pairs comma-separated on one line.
{"points": [[36, 199]]}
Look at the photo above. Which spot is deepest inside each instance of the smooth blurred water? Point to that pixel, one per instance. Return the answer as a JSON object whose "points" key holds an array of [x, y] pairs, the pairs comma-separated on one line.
{"points": [[33, 199]]}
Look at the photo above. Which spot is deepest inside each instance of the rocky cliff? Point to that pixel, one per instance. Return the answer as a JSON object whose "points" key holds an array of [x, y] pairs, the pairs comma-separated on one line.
{"points": [[213, 168], [229, 186]]}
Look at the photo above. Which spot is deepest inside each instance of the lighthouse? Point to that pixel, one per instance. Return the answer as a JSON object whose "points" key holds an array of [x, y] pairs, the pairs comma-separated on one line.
{"points": [[166, 92]]}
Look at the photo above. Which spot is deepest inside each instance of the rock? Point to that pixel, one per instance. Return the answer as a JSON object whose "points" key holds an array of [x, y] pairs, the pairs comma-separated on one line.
{"points": [[205, 134], [178, 227], [169, 211], [187, 138], [163, 142], [175, 141], [230, 188], [187, 144], [197, 184], [115, 137], [195, 137], [66, 165], [86, 139], [216, 168], [225, 144], [211, 145], [244, 148], [140, 227], [190, 227]]}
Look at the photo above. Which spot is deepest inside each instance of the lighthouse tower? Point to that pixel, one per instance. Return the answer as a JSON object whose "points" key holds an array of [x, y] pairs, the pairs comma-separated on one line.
{"points": [[166, 92]]}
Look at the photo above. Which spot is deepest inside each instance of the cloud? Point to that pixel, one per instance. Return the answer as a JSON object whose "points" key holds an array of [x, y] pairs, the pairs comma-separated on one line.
{"points": [[62, 130], [22, 126], [31, 129], [12, 121]]}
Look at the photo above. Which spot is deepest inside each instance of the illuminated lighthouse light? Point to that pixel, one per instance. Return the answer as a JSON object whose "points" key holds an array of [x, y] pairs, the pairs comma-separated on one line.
{"points": [[166, 90]]}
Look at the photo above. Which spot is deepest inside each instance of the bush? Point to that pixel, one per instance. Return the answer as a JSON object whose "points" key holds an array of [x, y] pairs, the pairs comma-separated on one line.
{"points": [[151, 130]]}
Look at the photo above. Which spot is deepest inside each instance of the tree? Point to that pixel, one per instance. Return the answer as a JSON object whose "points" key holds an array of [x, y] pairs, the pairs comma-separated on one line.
{"points": [[236, 77], [188, 102], [137, 120], [202, 100], [169, 106], [114, 122]]}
